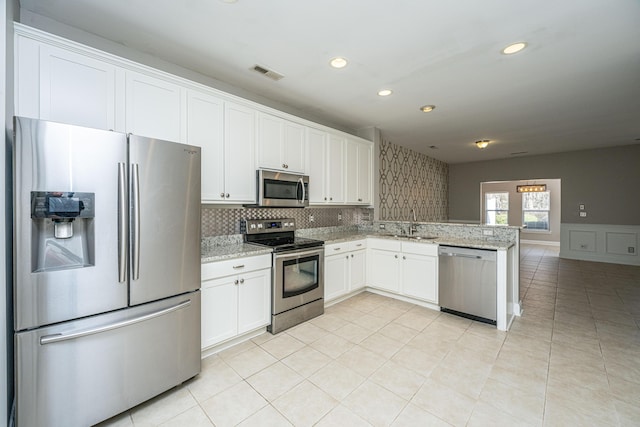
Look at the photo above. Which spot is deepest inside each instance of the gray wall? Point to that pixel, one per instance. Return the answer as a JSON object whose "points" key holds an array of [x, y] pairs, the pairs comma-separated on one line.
{"points": [[605, 180]]}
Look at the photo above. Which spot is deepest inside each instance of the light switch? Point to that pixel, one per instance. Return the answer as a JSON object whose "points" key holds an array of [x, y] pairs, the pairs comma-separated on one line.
{"points": [[581, 206]]}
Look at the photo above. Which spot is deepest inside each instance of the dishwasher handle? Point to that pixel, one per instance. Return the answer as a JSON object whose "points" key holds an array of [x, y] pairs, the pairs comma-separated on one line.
{"points": [[460, 255]]}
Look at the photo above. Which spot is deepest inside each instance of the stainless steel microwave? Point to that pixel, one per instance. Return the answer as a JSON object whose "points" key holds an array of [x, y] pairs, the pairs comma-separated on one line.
{"points": [[281, 189]]}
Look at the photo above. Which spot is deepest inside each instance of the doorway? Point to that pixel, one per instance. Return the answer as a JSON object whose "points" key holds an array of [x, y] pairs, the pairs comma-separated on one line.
{"points": [[538, 212]]}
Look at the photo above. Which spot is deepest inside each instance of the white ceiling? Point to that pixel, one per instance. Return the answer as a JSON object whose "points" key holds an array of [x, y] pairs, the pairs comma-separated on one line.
{"points": [[576, 86]]}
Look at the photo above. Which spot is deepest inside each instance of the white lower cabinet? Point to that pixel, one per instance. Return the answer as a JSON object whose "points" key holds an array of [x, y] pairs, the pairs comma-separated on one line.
{"points": [[404, 268], [344, 268], [236, 298]]}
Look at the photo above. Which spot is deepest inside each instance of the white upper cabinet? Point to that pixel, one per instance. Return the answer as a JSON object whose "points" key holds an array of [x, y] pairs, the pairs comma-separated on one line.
{"points": [[359, 172], [239, 143], [205, 129], [153, 107], [63, 86], [336, 169], [280, 144], [317, 165]]}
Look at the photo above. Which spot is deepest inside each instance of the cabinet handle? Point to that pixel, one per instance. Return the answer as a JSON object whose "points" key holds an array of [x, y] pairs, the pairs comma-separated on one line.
{"points": [[396, 256], [336, 249], [238, 266], [359, 244], [347, 257], [235, 282], [351, 255], [404, 257], [227, 195], [359, 200], [325, 198], [241, 280], [222, 195], [330, 198]]}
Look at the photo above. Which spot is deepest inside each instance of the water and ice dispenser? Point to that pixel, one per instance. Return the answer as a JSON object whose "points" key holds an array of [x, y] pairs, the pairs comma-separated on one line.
{"points": [[62, 230]]}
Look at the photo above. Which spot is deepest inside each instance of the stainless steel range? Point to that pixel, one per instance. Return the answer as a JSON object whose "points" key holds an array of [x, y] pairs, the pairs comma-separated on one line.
{"points": [[297, 285]]}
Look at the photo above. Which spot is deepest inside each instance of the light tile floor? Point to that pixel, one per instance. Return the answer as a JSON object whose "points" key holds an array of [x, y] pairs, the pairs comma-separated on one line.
{"points": [[572, 359]]}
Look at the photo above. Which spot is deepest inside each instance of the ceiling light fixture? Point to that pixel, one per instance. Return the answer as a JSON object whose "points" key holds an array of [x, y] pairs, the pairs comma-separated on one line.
{"points": [[427, 108], [338, 62], [531, 188], [483, 143], [513, 48], [385, 92]]}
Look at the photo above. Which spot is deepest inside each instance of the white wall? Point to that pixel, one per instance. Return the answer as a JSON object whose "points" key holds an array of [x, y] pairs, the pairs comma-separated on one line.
{"points": [[515, 207]]}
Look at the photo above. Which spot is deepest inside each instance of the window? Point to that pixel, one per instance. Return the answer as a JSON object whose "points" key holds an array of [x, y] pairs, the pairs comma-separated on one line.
{"points": [[496, 207], [535, 211]]}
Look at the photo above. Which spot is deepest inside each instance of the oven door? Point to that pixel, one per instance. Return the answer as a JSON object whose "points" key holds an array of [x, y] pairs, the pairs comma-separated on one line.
{"points": [[298, 278]]}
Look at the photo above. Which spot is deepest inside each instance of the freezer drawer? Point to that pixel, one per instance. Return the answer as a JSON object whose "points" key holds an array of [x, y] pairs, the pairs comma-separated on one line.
{"points": [[467, 282], [81, 372]]}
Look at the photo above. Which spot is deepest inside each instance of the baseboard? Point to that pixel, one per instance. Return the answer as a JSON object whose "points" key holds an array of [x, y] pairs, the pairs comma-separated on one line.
{"points": [[539, 242]]}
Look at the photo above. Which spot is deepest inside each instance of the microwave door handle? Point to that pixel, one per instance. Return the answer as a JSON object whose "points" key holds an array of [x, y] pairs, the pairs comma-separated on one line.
{"points": [[304, 192]]}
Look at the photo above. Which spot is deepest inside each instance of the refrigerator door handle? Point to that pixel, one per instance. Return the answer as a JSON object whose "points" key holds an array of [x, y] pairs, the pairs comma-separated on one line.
{"points": [[135, 222], [122, 223], [50, 339]]}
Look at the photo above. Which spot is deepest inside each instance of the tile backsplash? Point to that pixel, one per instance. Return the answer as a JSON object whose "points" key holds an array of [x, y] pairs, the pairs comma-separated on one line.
{"points": [[219, 221]]}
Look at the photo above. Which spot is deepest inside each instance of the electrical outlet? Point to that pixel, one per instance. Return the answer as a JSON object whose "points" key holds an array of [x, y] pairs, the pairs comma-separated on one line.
{"points": [[583, 214], [584, 246], [311, 218], [631, 250], [382, 227], [487, 232], [581, 206], [339, 216]]}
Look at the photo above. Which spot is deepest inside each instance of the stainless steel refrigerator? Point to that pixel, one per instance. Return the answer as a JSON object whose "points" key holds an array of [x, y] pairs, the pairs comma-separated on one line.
{"points": [[106, 271]]}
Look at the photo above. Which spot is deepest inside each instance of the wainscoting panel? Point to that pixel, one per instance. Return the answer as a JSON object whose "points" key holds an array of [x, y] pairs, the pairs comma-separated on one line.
{"points": [[616, 244]]}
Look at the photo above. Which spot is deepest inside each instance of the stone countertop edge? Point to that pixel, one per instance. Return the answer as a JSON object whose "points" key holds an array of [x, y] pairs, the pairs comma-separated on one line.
{"points": [[339, 237], [239, 250]]}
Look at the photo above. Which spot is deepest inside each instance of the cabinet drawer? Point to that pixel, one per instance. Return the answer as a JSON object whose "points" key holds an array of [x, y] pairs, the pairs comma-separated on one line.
{"points": [[430, 249], [384, 244], [230, 267], [336, 248], [357, 245]]}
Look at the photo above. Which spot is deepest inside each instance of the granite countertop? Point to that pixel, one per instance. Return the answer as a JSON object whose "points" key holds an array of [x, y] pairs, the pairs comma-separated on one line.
{"points": [[230, 251], [338, 237]]}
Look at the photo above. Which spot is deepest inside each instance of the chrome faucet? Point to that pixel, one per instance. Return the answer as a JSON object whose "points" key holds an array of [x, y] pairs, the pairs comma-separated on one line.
{"points": [[412, 225]]}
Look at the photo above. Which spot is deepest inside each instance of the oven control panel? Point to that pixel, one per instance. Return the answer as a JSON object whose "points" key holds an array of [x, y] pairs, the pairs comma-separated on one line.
{"points": [[254, 226]]}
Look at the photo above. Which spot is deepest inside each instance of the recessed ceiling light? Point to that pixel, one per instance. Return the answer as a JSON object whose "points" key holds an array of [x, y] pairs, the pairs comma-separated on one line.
{"points": [[483, 143], [385, 92], [513, 48], [338, 62], [427, 108]]}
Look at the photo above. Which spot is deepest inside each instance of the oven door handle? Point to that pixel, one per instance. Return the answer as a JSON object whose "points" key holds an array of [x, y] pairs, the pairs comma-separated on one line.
{"points": [[296, 254]]}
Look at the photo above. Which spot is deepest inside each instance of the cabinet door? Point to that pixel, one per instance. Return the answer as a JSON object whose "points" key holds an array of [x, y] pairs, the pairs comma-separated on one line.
{"points": [[335, 170], [419, 276], [316, 165], [384, 270], [365, 172], [240, 169], [270, 142], [351, 175], [358, 269], [254, 300], [153, 107], [219, 310], [335, 276], [76, 89], [205, 129], [293, 147]]}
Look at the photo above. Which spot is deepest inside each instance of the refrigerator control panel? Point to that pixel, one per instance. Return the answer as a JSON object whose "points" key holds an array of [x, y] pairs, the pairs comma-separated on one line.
{"points": [[60, 205]]}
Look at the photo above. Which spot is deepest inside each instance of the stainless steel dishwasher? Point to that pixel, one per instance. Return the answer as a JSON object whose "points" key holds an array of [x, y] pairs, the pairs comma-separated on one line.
{"points": [[467, 282]]}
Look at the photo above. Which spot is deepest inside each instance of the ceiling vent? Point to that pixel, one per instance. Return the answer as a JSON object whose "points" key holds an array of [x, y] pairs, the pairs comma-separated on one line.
{"points": [[267, 72]]}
